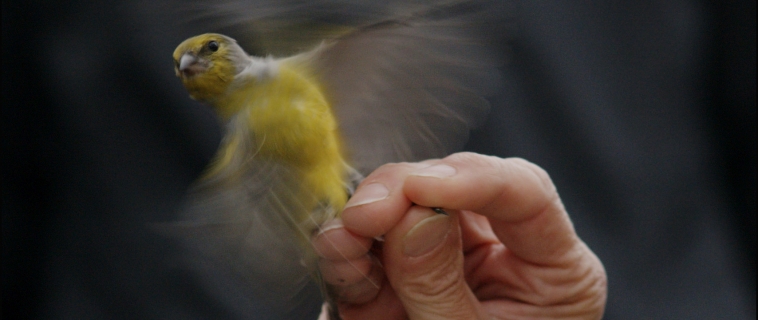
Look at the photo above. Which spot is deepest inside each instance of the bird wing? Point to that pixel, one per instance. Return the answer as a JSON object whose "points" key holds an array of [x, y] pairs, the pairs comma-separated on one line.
{"points": [[407, 90], [238, 228], [402, 90], [407, 80]]}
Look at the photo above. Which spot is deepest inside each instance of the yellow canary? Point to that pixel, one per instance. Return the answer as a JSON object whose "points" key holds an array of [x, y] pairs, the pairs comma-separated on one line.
{"points": [[278, 107], [301, 130]]}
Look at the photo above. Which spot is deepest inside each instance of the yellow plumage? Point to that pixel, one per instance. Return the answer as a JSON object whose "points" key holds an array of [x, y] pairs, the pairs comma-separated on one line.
{"points": [[292, 122], [212, 83], [295, 129], [285, 113]]}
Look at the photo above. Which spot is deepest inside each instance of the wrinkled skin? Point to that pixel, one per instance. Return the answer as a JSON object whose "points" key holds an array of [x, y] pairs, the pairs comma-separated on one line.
{"points": [[506, 249]]}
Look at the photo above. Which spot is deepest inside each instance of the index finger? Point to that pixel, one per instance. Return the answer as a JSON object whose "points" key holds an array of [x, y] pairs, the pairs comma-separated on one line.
{"points": [[517, 197]]}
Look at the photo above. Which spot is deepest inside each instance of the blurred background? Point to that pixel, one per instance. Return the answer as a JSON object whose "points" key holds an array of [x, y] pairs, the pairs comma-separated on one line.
{"points": [[643, 112]]}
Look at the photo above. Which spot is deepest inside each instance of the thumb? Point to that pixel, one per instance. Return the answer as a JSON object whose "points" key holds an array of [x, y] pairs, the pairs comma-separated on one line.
{"points": [[424, 264]]}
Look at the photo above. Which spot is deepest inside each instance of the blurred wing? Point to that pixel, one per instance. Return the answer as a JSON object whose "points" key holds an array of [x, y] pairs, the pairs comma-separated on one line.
{"points": [[408, 90], [403, 90], [238, 224], [408, 80], [286, 27]]}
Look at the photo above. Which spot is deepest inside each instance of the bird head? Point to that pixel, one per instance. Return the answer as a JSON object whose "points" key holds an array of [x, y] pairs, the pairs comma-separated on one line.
{"points": [[207, 65]]}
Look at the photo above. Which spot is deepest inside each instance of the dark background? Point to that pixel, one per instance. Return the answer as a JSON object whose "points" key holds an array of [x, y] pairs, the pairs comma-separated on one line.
{"points": [[643, 112]]}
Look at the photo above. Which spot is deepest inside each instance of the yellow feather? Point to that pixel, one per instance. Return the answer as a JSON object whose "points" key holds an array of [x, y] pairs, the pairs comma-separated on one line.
{"points": [[287, 115], [292, 122], [220, 73], [401, 90]]}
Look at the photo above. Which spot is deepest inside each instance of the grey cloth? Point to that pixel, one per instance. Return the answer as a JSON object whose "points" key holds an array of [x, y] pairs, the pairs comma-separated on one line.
{"points": [[642, 112], [644, 116]]}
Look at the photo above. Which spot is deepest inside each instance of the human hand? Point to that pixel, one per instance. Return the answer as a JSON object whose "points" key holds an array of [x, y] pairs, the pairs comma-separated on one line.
{"points": [[505, 249]]}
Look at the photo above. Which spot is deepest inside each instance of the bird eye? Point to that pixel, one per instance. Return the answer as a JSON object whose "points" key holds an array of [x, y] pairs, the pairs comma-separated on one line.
{"points": [[213, 46]]}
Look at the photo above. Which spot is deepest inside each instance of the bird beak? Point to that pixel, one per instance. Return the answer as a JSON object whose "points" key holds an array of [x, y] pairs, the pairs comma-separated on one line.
{"points": [[190, 65]]}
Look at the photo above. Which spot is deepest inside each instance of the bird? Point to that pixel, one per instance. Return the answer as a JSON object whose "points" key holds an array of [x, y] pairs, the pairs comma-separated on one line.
{"points": [[302, 130]]}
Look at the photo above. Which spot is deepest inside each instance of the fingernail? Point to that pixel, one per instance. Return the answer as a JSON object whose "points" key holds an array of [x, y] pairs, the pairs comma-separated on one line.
{"points": [[368, 194], [435, 171], [331, 225], [426, 235]]}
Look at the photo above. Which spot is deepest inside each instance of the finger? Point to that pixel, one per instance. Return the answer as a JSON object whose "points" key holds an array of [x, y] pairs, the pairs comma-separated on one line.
{"points": [[424, 263], [379, 202], [376, 206], [346, 266], [386, 306], [476, 231], [355, 282], [517, 197], [334, 242], [345, 272]]}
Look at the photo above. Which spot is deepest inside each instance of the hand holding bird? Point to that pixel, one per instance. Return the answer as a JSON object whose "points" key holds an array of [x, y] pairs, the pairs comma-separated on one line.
{"points": [[302, 130]]}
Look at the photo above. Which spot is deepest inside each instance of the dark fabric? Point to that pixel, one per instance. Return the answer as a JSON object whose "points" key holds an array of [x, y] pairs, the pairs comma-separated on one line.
{"points": [[643, 113], [644, 116]]}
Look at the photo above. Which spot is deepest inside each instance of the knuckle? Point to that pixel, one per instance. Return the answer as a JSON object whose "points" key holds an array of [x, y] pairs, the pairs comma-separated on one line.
{"points": [[542, 175]]}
